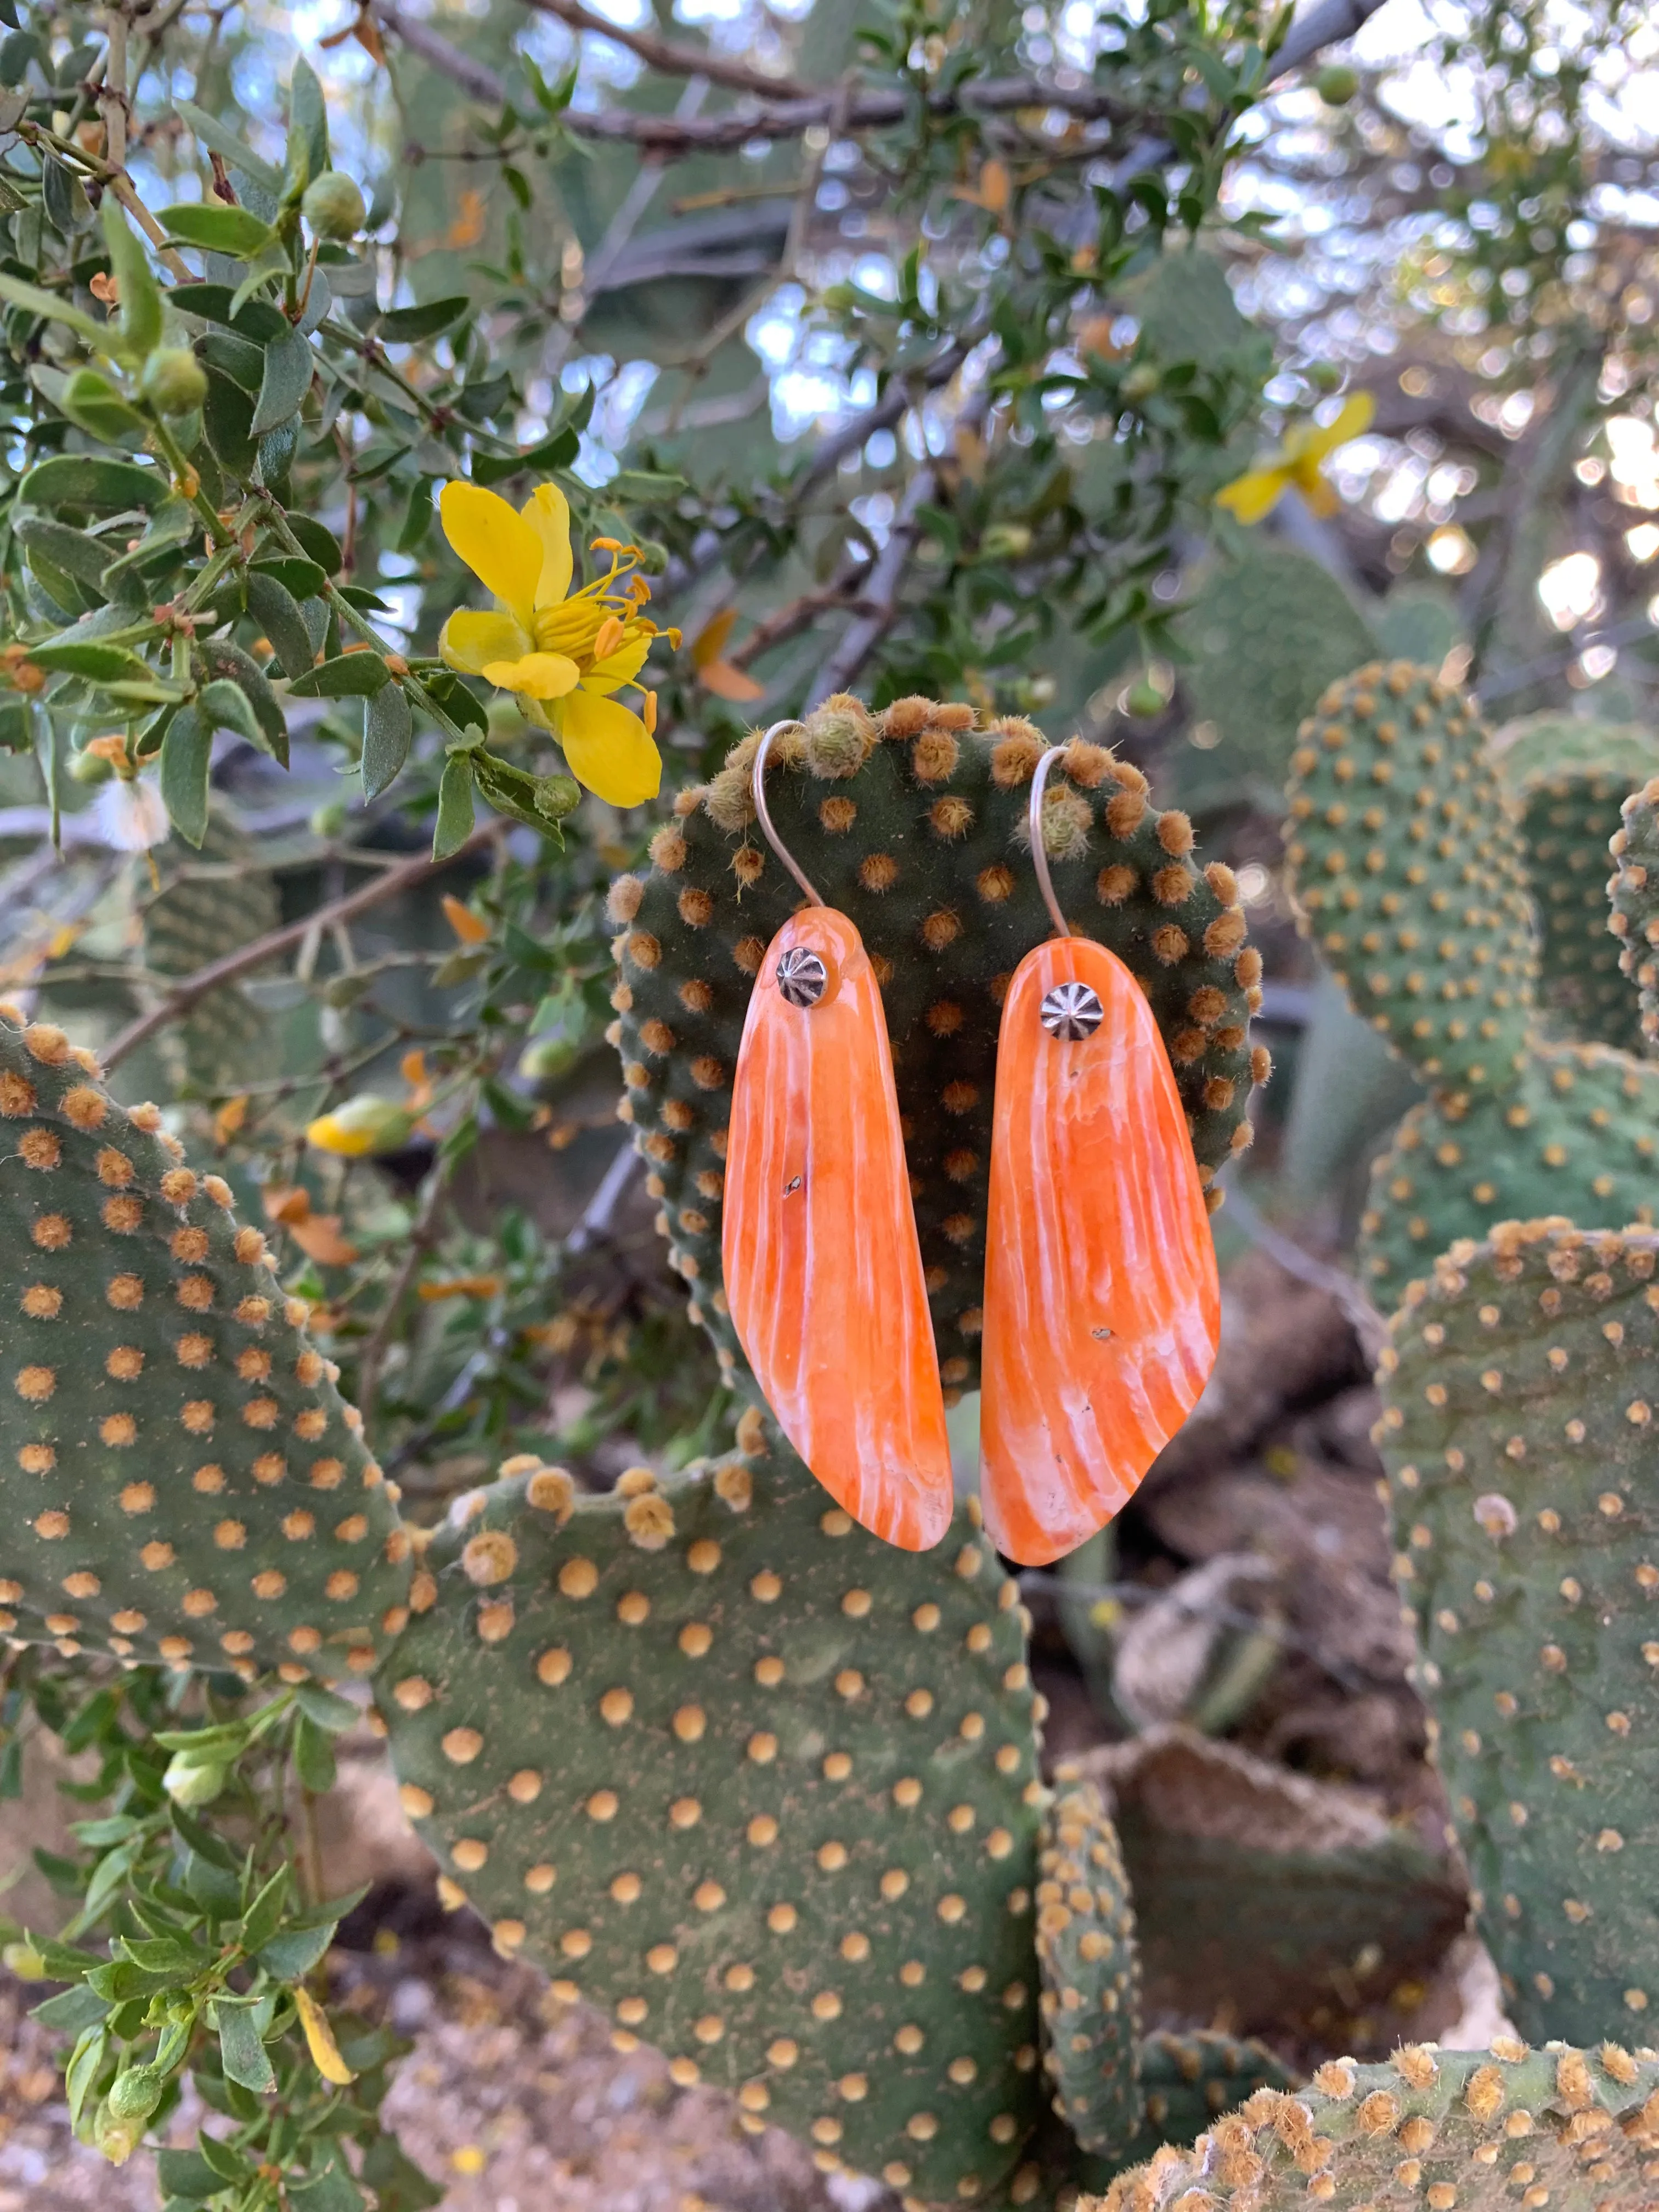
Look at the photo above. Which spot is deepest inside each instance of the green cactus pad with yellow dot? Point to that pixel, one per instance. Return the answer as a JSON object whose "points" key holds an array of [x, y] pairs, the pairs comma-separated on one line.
{"points": [[1575, 1133], [1634, 891], [913, 825], [1405, 858], [181, 1479], [1569, 778], [761, 1787], [1450, 2130], [1086, 1943], [1520, 1390]]}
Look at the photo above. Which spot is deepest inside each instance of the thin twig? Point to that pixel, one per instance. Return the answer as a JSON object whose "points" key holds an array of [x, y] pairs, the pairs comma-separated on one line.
{"points": [[420, 1239], [670, 60], [475, 77], [879, 602], [184, 995], [895, 404]]}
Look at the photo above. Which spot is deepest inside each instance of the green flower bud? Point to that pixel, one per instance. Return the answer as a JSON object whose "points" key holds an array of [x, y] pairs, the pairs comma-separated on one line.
{"points": [[333, 205], [89, 768], [1337, 83], [23, 1961], [134, 2095], [190, 1782], [543, 1059], [328, 819], [1143, 700], [174, 381], [1006, 541], [1141, 381], [654, 557]]}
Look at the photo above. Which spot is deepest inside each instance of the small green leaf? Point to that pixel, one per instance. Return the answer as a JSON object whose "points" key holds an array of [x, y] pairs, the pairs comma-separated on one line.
{"points": [[186, 753], [387, 729], [210, 132], [240, 2051], [83, 2069], [160, 1954], [228, 419], [446, 690], [71, 550], [319, 542], [242, 360], [174, 523], [629, 485], [307, 128], [186, 2175], [55, 310], [331, 2191], [264, 1917], [304, 580], [97, 664], [140, 294], [288, 367], [348, 676], [93, 404], [290, 1956], [275, 608], [256, 320], [72, 2010], [121, 1979], [88, 480], [216, 228], [313, 1757], [405, 325], [224, 2159], [557, 452], [325, 1709], [223, 705], [225, 657], [455, 812], [540, 802]]}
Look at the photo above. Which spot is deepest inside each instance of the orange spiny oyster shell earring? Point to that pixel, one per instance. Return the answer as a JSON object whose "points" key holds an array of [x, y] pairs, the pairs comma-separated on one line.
{"points": [[1103, 1311], [823, 1273]]}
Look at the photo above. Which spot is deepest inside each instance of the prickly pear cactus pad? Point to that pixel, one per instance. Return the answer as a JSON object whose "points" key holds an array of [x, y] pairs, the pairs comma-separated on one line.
{"points": [[181, 1479], [1086, 1950], [759, 1785], [1405, 862], [1569, 778], [1577, 1133], [1634, 891], [1521, 1390], [1575, 2131], [912, 824]]}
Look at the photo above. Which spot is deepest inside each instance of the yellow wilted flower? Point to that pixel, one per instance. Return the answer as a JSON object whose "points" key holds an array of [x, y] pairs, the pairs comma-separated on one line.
{"points": [[362, 1125], [320, 2041], [564, 653], [1259, 490]]}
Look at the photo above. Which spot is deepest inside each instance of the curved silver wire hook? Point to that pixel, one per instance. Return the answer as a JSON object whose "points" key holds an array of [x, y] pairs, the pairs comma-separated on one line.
{"points": [[757, 786], [1039, 852]]}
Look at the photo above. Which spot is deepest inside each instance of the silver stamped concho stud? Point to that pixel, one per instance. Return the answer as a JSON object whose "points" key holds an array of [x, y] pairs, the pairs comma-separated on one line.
{"points": [[1071, 1010], [802, 977]]}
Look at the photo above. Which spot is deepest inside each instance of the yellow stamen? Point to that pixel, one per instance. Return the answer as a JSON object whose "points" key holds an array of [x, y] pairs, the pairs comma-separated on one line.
{"points": [[610, 637], [648, 714], [604, 545]]}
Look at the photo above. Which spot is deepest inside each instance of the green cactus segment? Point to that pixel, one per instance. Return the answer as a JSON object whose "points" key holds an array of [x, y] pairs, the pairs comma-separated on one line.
{"points": [[1574, 1135], [1520, 1396], [1087, 1951], [181, 1479], [1406, 861], [1634, 891], [1268, 632], [1186, 2082], [760, 1786], [1575, 2131], [913, 826], [209, 903], [1569, 778]]}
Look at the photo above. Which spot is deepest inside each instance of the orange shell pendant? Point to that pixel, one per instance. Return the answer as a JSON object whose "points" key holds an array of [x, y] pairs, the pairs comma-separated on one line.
{"points": [[1103, 1312], [823, 1273]]}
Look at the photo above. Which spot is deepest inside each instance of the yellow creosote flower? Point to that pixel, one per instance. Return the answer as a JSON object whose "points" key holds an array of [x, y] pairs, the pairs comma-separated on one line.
{"points": [[564, 653], [361, 1126], [1260, 489]]}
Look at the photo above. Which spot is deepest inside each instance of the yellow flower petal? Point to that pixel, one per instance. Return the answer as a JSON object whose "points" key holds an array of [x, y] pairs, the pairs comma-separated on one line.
{"points": [[471, 639], [609, 750], [320, 2041], [499, 547], [1255, 494], [548, 513], [538, 674], [617, 668]]}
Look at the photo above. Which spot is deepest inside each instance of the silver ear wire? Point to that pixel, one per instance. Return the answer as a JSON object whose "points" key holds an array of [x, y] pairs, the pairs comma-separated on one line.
{"points": [[757, 785], [1039, 851]]}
